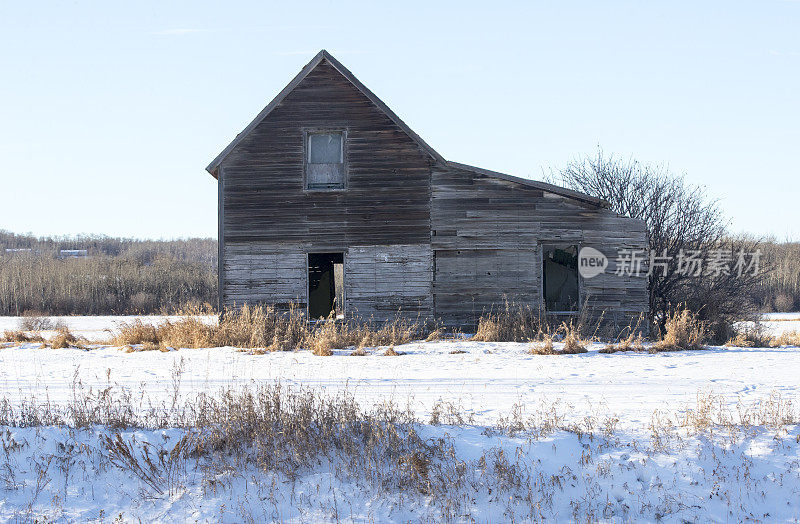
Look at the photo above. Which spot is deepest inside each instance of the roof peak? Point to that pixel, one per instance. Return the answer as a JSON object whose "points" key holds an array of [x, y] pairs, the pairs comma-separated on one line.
{"points": [[310, 66], [323, 54]]}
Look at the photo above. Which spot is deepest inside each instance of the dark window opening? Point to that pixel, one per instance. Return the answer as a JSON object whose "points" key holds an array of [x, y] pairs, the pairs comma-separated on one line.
{"points": [[325, 285], [325, 160], [560, 274]]}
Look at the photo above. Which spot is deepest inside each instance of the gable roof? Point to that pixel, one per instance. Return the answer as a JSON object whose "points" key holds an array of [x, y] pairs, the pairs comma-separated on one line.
{"points": [[324, 55]]}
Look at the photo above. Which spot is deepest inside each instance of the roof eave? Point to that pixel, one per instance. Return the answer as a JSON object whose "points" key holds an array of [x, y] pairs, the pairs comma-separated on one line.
{"points": [[544, 186]]}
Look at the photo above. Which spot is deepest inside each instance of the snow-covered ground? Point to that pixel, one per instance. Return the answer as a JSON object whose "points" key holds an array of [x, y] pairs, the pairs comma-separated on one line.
{"points": [[754, 477], [487, 379], [777, 323]]}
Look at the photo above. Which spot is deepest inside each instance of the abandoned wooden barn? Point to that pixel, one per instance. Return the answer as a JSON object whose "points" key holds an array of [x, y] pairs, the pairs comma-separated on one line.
{"points": [[329, 201]]}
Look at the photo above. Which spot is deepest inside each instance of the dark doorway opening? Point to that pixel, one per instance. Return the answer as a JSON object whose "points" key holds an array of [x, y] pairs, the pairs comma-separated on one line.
{"points": [[560, 274], [325, 285]]}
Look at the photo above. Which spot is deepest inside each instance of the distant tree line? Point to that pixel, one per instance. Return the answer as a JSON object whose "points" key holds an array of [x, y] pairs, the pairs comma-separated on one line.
{"points": [[113, 276]]}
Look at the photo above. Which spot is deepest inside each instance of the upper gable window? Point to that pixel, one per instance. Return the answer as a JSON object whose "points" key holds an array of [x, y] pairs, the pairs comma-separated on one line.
{"points": [[325, 160]]}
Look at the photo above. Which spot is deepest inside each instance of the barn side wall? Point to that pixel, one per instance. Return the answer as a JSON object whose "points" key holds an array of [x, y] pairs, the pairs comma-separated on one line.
{"points": [[380, 281], [487, 236], [384, 281]]}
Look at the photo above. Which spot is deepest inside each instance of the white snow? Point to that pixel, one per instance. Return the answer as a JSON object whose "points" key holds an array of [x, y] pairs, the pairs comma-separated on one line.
{"points": [[757, 477], [487, 380]]}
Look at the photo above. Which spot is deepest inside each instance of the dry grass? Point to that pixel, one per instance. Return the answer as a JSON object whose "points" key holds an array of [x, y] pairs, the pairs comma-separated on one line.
{"points": [[136, 332], [633, 342], [65, 339], [544, 347], [20, 336], [684, 331], [750, 337], [791, 338], [227, 441], [573, 343], [511, 323], [391, 352], [265, 328]]}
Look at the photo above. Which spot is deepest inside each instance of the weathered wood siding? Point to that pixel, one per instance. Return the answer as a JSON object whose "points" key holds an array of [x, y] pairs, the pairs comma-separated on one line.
{"points": [[388, 176], [381, 281], [264, 272], [472, 281], [487, 235], [419, 235], [265, 206]]}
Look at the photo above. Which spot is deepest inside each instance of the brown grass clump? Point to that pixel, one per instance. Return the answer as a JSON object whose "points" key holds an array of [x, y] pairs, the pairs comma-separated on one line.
{"points": [[262, 327], [545, 347], [136, 332], [20, 336], [683, 332], [633, 342], [572, 340], [573, 344], [359, 352], [435, 335], [189, 332], [791, 338], [512, 323], [749, 338], [392, 353], [64, 339]]}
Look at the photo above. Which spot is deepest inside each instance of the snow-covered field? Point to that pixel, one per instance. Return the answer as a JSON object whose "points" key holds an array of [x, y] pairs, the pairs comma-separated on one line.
{"points": [[755, 475]]}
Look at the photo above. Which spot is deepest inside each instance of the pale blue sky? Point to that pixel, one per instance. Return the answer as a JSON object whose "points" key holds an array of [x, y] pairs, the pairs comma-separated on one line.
{"points": [[110, 111]]}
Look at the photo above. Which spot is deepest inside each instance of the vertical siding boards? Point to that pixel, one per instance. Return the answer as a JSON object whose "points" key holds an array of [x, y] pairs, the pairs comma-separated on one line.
{"points": [[487, 233]]}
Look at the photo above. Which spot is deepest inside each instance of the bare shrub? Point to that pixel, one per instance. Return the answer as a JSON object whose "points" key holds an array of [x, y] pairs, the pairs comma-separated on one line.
{"points": [[33, 320], [783, 302], [679, 218], [683, 331]]}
